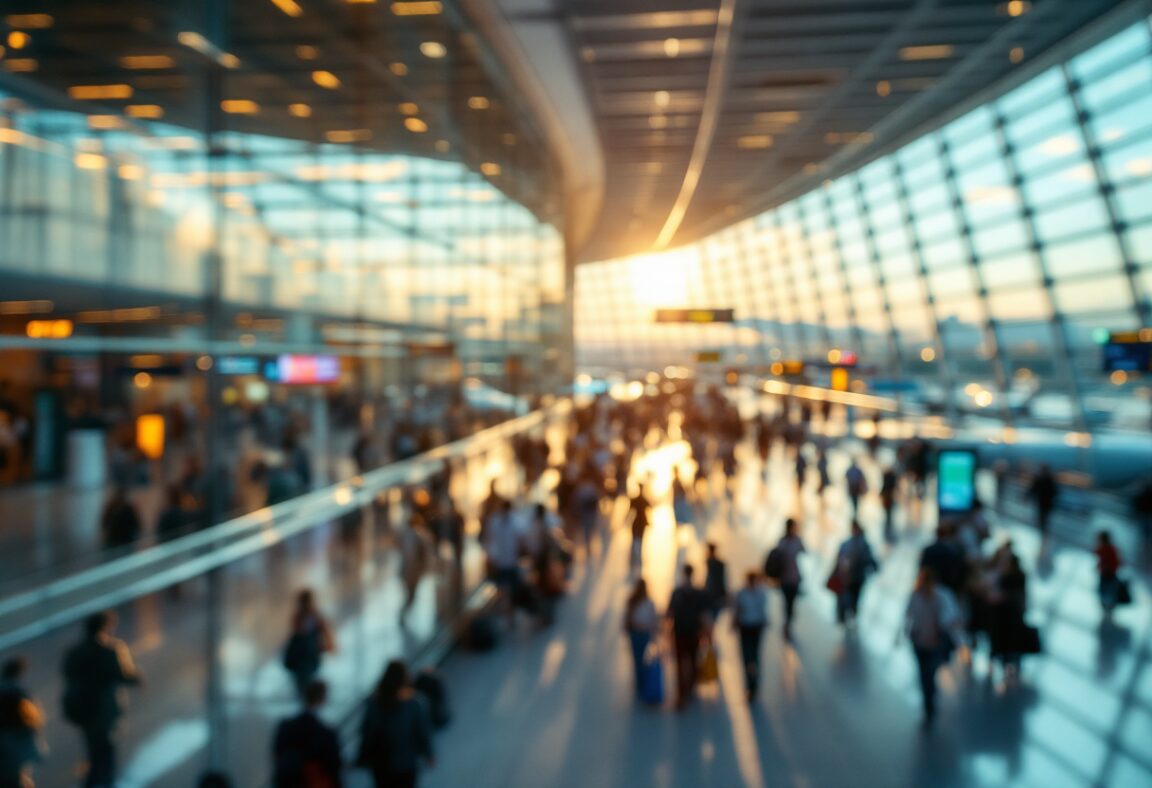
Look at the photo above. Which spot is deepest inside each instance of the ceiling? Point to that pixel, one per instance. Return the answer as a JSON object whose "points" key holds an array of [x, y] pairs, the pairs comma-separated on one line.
{"points": [[752, 102]]}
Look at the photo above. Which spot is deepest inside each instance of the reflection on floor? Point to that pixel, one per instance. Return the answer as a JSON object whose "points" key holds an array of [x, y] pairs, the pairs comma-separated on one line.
{"points": [[837, 708]]}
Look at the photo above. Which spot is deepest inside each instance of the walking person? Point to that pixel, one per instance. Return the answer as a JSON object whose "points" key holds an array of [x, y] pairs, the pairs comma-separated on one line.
{"points": [[688, 615], [857, 485], [306, 750], [783, 566], [96, 670], [889, 486], [1108, 563], [21, 723], [395, 735], [119, 522], [503, 544], [641, 623], [1007, 616], [750, 617], [932, 622], [638, 513], [1044, 491], [716, 580], [309, 640], [854, 561]]}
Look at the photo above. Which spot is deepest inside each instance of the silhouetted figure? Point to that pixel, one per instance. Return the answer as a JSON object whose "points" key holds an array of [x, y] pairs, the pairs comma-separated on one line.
{"points": [[503, 544], [95, 672], [309, 640], [119, 523], [750, 616], [889, 487], [305, 750], [932, 620], [716, 580], [638, 515], [641, 623], [395, 735], [783, 566], [1007, 625], [854, 562], [1108, 563], [21, 722], [1044, 492], [688, 613], [856, 484]]}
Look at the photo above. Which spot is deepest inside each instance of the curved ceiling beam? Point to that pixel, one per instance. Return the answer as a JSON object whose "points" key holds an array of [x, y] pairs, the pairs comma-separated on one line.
{"points": [[718, 73]]}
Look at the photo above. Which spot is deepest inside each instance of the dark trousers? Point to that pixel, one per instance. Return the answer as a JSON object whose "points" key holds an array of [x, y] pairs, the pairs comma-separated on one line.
{"points": [[385, 778], [855, 501], [101, 756], [750, 638], [889, 530], [790, 593], [928, 662], [687, 659], [848, 601], [639, 642], [1043, 515]]}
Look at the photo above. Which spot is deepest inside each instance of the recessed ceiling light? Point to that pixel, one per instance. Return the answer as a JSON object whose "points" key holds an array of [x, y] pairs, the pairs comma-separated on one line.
{"points": [[928, 52], [326, 79], [662, 98], [415, 125], [306, 52], [490, 168], [239, 106], [478, 102], [1016, 7], [399, 69], [417, 8], [300, 110], [30, 21], [18, 39], [408, 108], [755, 141], [348, 135], [671, 47], [143, 62], [290, 7], [148, 111], [883, 88], [1016, 54], [433, 49], [96, 92]]}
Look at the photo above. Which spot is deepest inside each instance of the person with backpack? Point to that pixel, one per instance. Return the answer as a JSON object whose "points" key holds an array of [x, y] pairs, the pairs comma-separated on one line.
{"points": [[95, 672], [857, 485], [783, 567], [750, 617], [305, 749], [854, 562], [21, 722], [641, 624], [309, 640], [932, 622], [395, 736]]}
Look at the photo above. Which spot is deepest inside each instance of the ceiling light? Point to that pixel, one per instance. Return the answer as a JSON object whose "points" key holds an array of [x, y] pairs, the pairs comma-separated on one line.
{"points": [[389, 197], [1016, 7], [104, 122], [928, 52], [671, 47], [290, 7], [784, 117], [654, 167], [306, 52], [130, 172], [848, 137], [408, 108], [399, 69], [30, 21], [93, 92], [1016, 54], [508, 138], [18, 39], [478, 102], [326, 79], [490, 168], [141, 62], [417, 8], [228, 60], [658, 121], [433, 49], [1060, 145], [240, 106], [415, 125], [300, 110], [348, 135], [755, 142], [883, 88], [149, 111], [662, 98], [90, 161], [443, 146]]}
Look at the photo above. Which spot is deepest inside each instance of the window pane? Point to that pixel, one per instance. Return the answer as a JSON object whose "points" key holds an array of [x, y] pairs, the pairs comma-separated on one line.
{"points": [[1099, 254]]}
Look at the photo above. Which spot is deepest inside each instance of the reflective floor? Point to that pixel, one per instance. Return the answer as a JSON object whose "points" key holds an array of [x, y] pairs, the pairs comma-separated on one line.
{"points": [[836, 708]]}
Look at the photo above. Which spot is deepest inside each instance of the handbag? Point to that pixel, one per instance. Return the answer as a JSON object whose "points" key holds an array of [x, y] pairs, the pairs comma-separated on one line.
{"points": [[1029, 640], [709, 667], [1123, 591], [652, 678], [835, 582]]}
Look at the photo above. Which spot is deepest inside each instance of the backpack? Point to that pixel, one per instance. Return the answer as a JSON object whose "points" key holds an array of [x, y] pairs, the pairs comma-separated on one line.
{"points": [[302, 651], [775, 564]]}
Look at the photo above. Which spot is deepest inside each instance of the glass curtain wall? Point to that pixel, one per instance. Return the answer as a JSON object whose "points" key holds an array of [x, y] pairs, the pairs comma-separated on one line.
{"points": [[983, 262]]}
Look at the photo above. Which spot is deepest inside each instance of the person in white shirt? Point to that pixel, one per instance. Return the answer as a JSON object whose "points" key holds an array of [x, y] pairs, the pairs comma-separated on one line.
{"points": [[933, 624], [503, 544], [750, 616], [642, 623]]}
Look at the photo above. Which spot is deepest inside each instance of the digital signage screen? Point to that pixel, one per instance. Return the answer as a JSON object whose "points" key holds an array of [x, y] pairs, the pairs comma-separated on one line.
{"points": [[956, 481], [302, 370]]}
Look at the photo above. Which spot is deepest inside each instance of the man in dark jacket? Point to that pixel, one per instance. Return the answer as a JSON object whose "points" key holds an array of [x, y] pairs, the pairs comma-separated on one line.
{"points": [[1044, 491], [95, 672], [689, 613], [306, 751]]}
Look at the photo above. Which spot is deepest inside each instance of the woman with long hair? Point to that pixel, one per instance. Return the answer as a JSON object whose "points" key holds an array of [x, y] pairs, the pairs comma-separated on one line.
{"points": [[395, 735], [641, 622]]}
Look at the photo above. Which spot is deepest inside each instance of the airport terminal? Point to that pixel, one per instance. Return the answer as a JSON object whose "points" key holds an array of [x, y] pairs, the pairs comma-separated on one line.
{"points": [[517, 393]]}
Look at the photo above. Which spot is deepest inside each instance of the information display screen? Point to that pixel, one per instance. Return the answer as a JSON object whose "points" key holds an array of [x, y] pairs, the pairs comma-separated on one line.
{"points": [[695, 315], [303, 369], [956, 481]]}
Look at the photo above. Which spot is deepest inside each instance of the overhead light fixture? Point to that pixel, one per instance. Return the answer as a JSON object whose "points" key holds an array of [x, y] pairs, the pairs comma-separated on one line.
{"points": [[1016, 54], [97, 92], [433, 49], [326, 79], [300, 110], [200, 44], [442, 146], [18, 39], [755, 142], [848, 137], [105, 122], [239, 106], [417, 8], [490, 168], [658, 121], [478, 102], [399, 69], [662, 98], [408, 108], [228, 60], [30, 21], [928, 52], [1016, 7], [290, 7], [21, 65], [130, 172], [307, 52], [671, 47], [508, 138], [147, 111], [145, 62], [343, 136], [415, 125], [90, 161], [883, 88]]}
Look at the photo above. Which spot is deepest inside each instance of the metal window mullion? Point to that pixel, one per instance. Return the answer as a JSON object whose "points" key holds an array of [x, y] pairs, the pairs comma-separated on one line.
{"points": [[821, 312], [991, 326], [1057, 320], [754, 297], [881, 278], [853, 320]]}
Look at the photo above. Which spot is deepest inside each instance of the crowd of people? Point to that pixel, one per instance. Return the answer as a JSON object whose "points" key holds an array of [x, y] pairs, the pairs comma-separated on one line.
{"points": [[535, 525]]}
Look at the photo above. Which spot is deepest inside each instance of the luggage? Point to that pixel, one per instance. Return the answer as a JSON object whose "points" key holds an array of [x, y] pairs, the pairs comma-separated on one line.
{"points": [[431, 687], [709, 668], [1123, 592], [481, 634], [774, 565], [835, 582], [1029, 640], [652, 679]]}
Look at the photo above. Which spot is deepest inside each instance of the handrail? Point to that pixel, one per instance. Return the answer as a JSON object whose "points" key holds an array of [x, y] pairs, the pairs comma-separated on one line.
{"points": [[33, 613]]}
